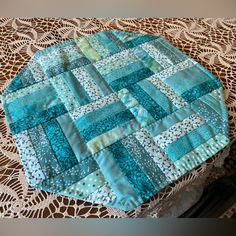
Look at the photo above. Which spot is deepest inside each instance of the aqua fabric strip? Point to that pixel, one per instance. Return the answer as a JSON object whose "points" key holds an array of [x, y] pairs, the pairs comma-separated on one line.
{"points": [[123, 71], [67, 98], [25, 72], [115, 61], [10, 97], [61, 68], [181, 83], [159, 97], [63, 56], [88, 51], [99, 80], [86, 186], [46, 158], [212, 101], [36, 119], [76, 88], [111, 122], [78, 112], [99, 115], [199, 90], [146, 101], [211, 117], [108, 43], [141, 184], [70, 176], [125, 36], [146, 164], [115, 40], [189, 142], [73, 137], [16, 83], [161, 125], [173, 53], [106, 139], [27, 78], [139, 40], [130, 79], [164, 61], [209, 74], [201, 153], [147, 60], [100, 48], [140, 113], [40, 100], [59, 144], [178, 130], [126, 198], [29, 159]]}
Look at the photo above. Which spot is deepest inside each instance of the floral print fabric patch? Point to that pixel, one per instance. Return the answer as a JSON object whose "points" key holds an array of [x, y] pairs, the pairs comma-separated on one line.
{"points": [[114, 117]]}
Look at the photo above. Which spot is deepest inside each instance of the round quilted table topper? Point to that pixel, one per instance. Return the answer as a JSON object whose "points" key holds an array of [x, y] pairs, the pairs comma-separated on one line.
{"points": [[114, 117]]}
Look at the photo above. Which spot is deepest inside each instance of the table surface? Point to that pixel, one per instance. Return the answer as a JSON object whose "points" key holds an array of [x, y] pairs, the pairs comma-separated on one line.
{"points": [[210, 41]]}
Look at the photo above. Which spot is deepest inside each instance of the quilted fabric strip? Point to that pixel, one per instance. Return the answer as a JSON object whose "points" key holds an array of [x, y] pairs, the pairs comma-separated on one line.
{"points": [[114, 117]]}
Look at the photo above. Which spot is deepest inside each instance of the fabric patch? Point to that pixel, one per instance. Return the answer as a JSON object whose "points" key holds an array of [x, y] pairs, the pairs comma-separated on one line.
{"points": [[114, 117], [86, 186], [178, 130]]}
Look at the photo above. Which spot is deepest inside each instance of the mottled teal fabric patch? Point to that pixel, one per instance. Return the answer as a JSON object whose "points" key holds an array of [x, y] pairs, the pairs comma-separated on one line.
{"points": [[114, 117]]}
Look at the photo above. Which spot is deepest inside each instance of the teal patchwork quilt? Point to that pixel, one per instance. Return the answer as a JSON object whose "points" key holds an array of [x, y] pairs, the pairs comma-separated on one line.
{"points": [[114, 117]]}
